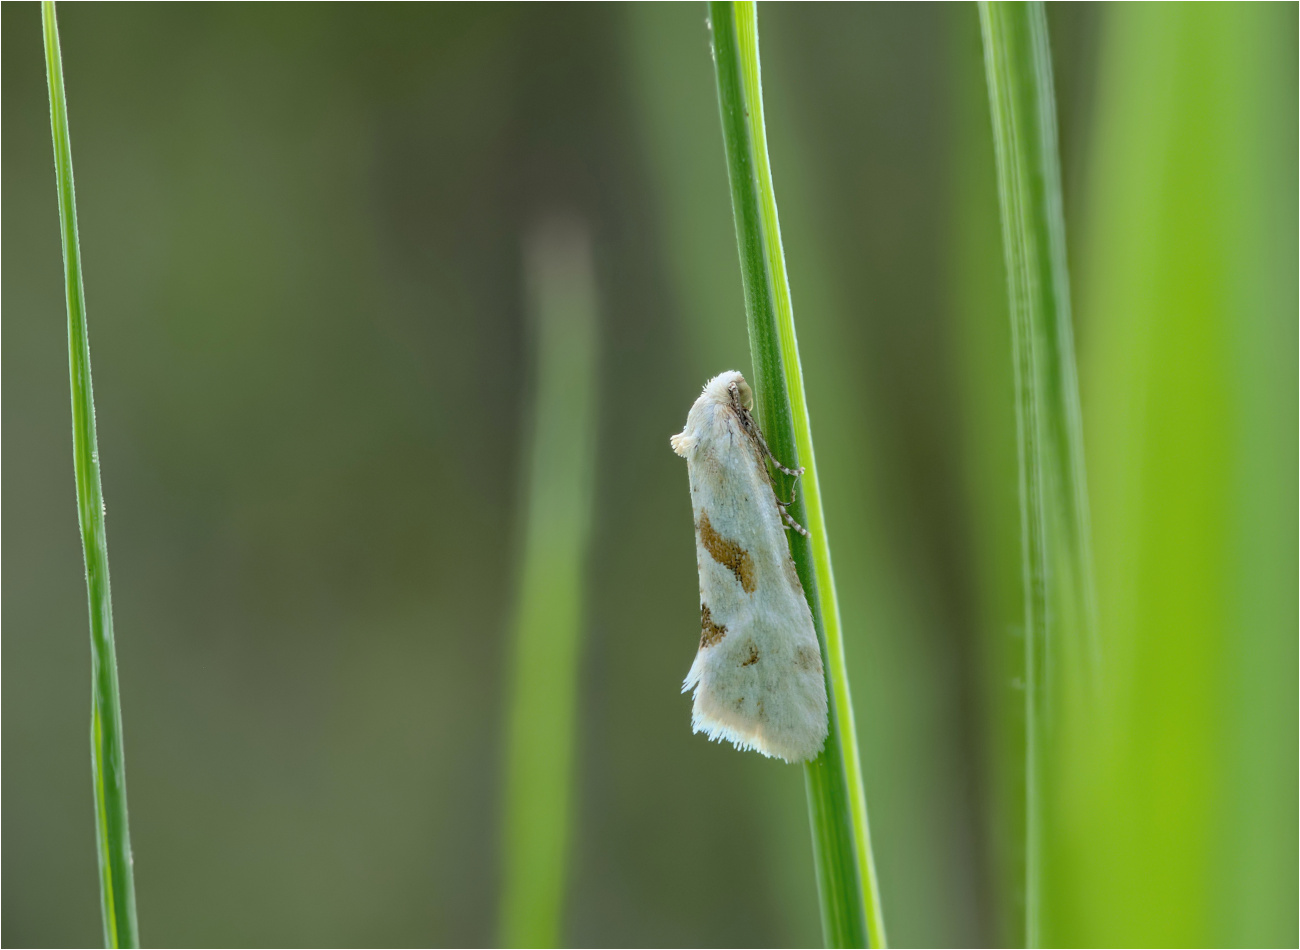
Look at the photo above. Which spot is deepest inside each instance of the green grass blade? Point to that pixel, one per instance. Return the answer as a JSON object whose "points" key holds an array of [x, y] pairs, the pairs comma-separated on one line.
{"points": [[113, 836], [846, 878], [985, 404], [1060, 630], [551, 596]]}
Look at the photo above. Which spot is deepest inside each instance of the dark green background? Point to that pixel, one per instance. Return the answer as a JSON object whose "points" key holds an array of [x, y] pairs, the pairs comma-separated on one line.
{"points": [[302, 231]]}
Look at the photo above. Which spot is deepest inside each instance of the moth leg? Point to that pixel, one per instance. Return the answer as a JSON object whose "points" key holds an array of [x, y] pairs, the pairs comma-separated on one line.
{"points": [[776, 463], [786, 504], [758, 434], [794, 487], [790, 522], [781, 506], [792, 472]]}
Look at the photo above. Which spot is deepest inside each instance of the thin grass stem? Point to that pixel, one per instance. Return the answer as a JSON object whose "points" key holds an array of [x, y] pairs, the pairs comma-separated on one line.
{"points": [[846, 877], [113, 836], [1061, 651]]}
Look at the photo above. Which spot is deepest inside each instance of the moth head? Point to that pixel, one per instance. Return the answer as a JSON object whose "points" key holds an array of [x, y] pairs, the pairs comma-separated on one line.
{"points": [[728, 388], [742, 393]]}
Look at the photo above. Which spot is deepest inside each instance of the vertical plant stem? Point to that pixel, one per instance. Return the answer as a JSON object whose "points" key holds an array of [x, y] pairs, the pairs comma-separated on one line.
{"points": [[113, 837], [551, 595], [846, 877], [1061, 651]]}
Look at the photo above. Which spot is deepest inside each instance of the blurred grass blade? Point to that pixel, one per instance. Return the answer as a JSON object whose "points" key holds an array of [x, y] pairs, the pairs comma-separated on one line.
{"points": [[551, 594], [1186, 832], [113, 836], [680, 133], [846, 879], [1060, 630], [986, 409]]}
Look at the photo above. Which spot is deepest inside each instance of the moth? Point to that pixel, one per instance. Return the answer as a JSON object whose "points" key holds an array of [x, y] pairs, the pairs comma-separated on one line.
{"points": [[758, 674]]}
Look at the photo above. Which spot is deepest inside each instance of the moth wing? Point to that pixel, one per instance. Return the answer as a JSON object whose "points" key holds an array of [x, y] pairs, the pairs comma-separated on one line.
{"points": [[761, 687], [757, 676]]}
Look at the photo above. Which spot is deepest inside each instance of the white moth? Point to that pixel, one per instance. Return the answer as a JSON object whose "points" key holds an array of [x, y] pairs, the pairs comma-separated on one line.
{"points": [[758, 674]]}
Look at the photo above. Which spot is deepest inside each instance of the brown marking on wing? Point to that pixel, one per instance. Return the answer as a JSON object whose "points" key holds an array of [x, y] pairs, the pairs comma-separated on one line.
{"points": [[808, 659], [752, 658], [727, 553], [710, 632]]}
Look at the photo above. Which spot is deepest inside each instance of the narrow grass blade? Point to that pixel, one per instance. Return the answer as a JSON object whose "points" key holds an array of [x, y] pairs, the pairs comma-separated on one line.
{"points": [[846, 878], [1060, 630], [113, 836], [985, 406], [551, 595]]}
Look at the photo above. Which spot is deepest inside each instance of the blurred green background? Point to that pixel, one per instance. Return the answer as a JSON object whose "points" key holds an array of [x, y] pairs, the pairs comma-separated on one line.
{"points": [[304, 235]]}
